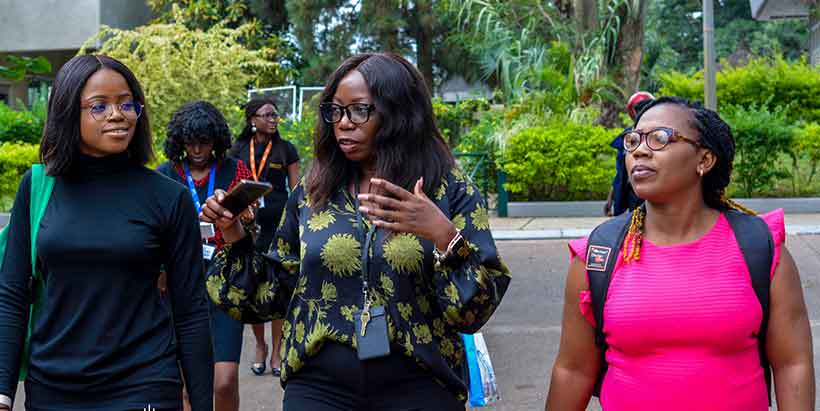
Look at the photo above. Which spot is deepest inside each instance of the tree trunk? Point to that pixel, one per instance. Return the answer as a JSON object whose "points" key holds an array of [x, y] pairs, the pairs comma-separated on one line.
{"points": [[586, 16], [424, 21], [625, 67]]}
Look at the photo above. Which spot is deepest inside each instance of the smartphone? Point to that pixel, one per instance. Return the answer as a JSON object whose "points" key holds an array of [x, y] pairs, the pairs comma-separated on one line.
{"points": [[244, 194]]}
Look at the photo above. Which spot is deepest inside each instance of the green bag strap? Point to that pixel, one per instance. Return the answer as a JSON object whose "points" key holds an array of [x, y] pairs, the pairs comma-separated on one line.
{"points": [[41, 188]]}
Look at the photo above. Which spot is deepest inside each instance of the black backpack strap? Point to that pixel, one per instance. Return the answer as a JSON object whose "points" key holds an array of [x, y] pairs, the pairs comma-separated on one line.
{"points": [[603, 246], [755, 241]]}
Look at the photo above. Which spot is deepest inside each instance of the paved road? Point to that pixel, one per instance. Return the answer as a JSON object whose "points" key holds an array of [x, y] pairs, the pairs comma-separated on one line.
{"points": [[523, 335]]}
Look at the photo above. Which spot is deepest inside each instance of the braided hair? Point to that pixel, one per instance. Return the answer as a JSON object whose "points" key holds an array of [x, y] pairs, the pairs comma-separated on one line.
{"points": [[716, 136], [197, 121]]}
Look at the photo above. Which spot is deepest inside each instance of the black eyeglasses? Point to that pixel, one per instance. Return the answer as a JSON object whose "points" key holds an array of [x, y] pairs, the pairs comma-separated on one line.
{"points": [[102, 111], [656, 139], [357, 113]]}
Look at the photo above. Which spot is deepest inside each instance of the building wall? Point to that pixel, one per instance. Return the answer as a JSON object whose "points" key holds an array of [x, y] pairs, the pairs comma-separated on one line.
{"points": [[43, 25], [35, 25]]}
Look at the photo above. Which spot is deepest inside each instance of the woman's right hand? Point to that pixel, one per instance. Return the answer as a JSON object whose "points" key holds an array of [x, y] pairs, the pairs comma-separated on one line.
{"points": [[224, 220]]}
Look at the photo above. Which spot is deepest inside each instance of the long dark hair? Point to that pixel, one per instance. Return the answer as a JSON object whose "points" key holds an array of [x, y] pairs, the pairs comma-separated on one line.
{"points": [[197, 121], [60, 144], [250, 110], [408, 144]]}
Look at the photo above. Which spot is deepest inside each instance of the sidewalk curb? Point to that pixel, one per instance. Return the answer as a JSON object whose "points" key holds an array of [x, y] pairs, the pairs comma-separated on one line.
{"points": [[571, 233]]}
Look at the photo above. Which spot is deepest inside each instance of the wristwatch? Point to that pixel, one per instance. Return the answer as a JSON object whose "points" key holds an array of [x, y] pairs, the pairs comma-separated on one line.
{"points": [[457, 246]]}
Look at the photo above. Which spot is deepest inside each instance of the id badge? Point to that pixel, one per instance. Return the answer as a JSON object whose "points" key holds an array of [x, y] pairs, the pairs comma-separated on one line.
{"points": [[206, 230], [374, 342], [208, 251]]}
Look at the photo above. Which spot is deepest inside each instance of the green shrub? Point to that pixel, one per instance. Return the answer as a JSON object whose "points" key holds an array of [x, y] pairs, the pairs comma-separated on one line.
{"points": [[762, 138], [480, 139], [300, 133], [455, 120], [22, 125], [806, 145], [775, 82], [15, 159], [561, 161]]}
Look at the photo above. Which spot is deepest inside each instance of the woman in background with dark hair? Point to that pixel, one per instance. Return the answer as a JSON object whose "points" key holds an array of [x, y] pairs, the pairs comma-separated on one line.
{"points": [[104, 339], [197, 139], [384, 254], [682, 318], [275, 161]]}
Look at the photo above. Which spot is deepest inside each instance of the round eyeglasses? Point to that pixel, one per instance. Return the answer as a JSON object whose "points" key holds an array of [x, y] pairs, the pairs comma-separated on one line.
{"points": [[102, 111], [357, 113], [656, 139]]}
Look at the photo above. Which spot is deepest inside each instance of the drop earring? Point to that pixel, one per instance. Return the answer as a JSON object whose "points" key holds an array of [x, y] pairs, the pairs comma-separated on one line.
{"points": [[700, 171], [253, 128]]}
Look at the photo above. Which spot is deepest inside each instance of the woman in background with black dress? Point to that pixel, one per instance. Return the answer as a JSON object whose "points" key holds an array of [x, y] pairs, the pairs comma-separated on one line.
{"points": [[275, 161]]}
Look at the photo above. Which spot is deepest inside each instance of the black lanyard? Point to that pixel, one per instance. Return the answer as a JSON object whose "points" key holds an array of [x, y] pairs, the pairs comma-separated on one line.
{"points": [[365, 236]]}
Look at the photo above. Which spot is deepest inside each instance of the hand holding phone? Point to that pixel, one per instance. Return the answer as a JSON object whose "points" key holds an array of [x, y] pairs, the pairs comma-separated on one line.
{"points": [[244, 194]]}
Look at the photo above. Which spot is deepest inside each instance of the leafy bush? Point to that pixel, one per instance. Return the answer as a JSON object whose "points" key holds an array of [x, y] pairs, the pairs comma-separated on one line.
{"points": [[300, 133], [806, 145], [15, 159], [23, 125], [771, 81], [454, 120], [762, 137], [561, 161]]}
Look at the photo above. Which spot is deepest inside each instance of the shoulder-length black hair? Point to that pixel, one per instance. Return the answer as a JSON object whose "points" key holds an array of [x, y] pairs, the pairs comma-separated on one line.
{"points": [[250, 110], [408, 144], [197, 121], [60, 144]]}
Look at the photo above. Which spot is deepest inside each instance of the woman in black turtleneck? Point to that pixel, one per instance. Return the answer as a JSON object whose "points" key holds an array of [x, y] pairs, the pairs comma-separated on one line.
{"points": [[104, 339]]}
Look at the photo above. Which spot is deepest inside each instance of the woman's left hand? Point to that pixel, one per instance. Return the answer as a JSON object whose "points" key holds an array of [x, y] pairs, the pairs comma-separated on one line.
{"points": [[408, 212]]}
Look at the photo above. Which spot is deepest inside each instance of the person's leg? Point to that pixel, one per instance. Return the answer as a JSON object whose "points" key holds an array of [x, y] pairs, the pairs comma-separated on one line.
{"points": [[186, 403], [227, 344], [226, 386], [276, 345], [258, 365]]}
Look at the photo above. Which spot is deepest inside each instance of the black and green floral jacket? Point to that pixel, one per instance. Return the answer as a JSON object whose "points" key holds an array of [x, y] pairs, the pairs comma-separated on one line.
{"points": [[312, 278]]}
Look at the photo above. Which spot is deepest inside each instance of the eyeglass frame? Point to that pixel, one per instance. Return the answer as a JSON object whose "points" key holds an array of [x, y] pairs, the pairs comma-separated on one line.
{"points": [[118, 106], [673, 137], [346, 112]]}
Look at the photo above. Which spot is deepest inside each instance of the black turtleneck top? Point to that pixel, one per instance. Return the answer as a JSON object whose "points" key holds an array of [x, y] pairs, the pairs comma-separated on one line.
{"points": [[106, 339]]}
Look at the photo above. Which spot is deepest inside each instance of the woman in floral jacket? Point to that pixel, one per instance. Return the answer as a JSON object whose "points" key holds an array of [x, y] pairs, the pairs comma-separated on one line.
{"points": [[383, 256]]}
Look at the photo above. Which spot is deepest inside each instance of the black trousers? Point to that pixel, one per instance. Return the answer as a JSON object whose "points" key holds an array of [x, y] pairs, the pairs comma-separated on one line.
{"points": [[335, 380]]}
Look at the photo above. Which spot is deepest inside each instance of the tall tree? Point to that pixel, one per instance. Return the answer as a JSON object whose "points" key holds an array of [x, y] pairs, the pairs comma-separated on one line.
{"points": [[625, 54]]}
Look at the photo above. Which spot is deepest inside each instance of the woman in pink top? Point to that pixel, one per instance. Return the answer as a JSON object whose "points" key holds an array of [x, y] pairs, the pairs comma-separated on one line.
{"points": [[681, 316]]}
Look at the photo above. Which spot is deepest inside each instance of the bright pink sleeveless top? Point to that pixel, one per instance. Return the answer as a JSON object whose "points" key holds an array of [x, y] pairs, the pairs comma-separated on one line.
{"points": [[681, 325]]}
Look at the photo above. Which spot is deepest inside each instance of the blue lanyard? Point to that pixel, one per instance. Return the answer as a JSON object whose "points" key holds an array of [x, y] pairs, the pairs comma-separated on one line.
{"points": [[192, 186]]}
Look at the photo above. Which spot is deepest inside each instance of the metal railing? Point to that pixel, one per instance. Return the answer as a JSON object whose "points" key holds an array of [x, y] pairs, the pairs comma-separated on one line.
{"points": [[477, 165]]}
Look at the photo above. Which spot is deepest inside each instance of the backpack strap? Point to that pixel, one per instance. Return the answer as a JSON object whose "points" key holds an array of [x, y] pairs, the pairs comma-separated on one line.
{"points": [[41, 187], [603, 247], [755, 241]]}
